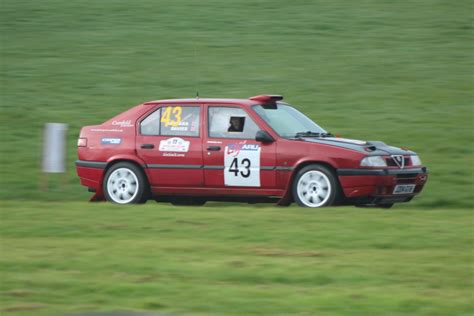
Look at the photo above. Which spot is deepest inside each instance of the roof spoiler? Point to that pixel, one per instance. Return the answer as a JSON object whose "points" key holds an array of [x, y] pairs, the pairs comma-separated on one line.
{"points": [[268, 101], [265, 98]]}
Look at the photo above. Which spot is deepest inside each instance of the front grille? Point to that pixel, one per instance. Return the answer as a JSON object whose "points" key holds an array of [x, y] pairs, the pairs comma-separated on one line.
{"points": [[391, 162]]}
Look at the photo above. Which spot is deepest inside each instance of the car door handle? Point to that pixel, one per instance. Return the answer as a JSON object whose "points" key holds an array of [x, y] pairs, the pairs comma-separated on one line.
{"points": [[214, 148], [147, 146]]}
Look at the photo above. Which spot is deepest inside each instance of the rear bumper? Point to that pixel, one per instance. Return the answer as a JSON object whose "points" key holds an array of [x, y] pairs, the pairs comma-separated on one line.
{"points": [[90, 173], [377, 185]]}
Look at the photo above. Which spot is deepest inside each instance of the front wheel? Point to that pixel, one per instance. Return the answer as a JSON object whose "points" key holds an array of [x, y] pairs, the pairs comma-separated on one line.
{"points": [[125, 183], [315, 186]]}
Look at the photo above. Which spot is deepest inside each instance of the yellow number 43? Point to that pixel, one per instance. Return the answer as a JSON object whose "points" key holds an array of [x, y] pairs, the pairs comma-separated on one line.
{"points": [[172, 111]]}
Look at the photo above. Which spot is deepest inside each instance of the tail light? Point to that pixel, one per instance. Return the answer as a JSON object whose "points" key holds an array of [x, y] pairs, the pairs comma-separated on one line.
{"points": [[82, 142]]}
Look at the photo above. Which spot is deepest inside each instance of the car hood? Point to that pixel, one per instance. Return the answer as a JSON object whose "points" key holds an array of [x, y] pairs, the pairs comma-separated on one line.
{"points": [[367, 147]]}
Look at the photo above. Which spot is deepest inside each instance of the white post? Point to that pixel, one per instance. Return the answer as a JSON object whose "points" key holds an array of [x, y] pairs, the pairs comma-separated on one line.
{"points": [[54, 153], [54, 148]]}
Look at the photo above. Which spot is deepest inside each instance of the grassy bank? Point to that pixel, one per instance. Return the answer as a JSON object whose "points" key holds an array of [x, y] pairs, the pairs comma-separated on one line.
{"points": [[214, 260]]}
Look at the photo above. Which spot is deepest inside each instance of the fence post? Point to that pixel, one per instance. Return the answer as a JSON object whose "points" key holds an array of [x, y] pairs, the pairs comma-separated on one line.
{"points": [[54, 151]]}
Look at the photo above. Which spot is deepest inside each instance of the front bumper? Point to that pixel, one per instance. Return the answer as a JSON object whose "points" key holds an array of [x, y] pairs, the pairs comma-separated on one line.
{"points": [[377, 185]]}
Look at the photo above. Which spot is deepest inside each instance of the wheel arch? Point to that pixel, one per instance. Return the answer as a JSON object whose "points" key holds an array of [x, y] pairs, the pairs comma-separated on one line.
{"points": [[116, 161], [126, 158]]}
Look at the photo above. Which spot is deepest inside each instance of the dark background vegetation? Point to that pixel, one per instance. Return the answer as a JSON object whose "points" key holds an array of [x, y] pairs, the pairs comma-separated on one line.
{"points": [[396, 71]]}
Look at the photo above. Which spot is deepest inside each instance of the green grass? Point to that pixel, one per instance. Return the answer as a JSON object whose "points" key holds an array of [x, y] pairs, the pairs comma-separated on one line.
{"points": [[396, 71], [60, 257]]}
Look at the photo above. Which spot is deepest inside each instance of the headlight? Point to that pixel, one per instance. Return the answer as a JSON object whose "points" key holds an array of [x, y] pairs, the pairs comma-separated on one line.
{"points": [[373, 161], [415, 160]]}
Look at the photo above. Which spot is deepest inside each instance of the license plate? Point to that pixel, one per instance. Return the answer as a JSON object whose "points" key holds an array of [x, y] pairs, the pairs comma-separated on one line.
{"points": [[404, 189]]}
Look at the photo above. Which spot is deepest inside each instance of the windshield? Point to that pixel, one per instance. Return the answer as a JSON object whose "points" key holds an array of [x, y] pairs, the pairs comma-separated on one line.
{"points": [[287, 121]]}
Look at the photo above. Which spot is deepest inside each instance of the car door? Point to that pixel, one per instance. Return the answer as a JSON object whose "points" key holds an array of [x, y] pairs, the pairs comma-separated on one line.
{"points": [[169, 142], [232, 156]]}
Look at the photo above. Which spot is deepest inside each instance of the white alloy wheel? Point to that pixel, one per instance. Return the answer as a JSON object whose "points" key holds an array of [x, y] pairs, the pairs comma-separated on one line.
{"points": [[314, 188], [122, 185]]}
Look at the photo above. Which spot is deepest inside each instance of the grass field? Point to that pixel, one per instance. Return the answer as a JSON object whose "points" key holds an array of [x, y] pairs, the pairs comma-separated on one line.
{"points": [[377, 70], [396, 71], [214, 260]]}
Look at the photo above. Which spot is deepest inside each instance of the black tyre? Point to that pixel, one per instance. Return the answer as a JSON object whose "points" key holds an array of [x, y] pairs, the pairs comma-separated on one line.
{"points": [[315, 186], [125, 183]]}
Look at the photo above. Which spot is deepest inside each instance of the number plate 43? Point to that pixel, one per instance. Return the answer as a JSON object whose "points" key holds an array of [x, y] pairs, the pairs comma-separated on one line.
{"points": [[242, 165]]}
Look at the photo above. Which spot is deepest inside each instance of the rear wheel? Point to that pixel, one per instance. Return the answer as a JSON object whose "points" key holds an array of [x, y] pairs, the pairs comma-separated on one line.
{"points": [[125, 183], [315, 186]]}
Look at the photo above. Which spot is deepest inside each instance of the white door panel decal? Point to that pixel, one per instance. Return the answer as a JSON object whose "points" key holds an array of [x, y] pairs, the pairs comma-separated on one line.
{"points": [[174, 144], [242, 165]]}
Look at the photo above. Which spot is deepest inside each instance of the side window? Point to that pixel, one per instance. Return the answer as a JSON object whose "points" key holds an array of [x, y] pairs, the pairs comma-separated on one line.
{"points": [[151, 125], [172, 121], [180, 121], [229, 122]]}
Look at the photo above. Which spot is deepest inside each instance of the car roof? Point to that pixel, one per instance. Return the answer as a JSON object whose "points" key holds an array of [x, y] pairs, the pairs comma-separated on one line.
{"points": [[258, 99], [222, 101]]}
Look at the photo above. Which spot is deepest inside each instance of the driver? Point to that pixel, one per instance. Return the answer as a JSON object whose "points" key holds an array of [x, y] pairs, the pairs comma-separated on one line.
{"points": [[236, 124]]}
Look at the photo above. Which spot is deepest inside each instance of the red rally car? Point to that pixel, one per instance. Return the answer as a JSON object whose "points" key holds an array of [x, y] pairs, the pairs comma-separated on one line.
{"points": [[189, 151]]}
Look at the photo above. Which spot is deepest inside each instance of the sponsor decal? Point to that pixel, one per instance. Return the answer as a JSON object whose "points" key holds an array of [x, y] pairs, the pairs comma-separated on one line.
{"points": [[242, 165], [184, 126], [123, 123], [181, 127], [111, 141], [166, 154], [234, 149], [194, 126], [106, 130], [174, 144]]}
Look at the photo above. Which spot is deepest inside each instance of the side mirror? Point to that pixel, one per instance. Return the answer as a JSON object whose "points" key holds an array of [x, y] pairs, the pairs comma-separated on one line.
{"points": [[264, 137]]}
